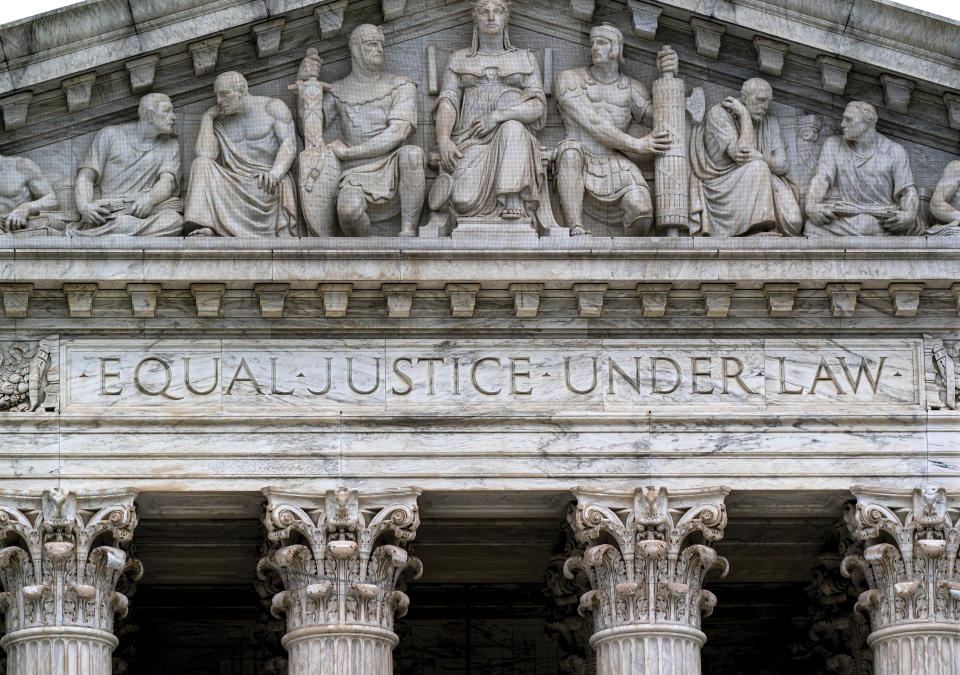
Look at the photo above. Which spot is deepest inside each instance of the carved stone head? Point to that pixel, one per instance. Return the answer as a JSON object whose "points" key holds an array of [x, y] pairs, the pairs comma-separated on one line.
{"points": [[157, 110], [366, 46], [231, 90], [859, 117], [490, 17], [756, 94], [606, 44]]}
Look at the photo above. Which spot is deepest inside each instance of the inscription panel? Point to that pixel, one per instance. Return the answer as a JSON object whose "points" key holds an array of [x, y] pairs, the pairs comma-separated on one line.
{"points": [[327, 378]]}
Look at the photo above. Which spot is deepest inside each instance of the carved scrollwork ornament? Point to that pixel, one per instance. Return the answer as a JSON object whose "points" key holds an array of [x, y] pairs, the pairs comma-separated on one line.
{"points": [[53, 572], [642, 566], [350, 562], [909, 563]]}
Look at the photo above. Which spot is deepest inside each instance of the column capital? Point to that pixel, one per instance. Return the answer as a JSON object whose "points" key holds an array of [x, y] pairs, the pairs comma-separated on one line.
{"points": [[63, 556], [643, 568], [341, 555], [909, 559]]}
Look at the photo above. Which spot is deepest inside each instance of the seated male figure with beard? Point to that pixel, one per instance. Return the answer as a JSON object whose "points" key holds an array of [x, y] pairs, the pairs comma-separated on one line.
{"points": [[739, 164]]}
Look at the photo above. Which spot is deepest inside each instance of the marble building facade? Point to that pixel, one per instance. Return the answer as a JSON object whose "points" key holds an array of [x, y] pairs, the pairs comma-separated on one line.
{"points": [[573, 336]]}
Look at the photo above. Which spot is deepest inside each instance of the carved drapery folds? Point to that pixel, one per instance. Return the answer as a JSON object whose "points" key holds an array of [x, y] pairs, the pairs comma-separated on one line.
{"points": [[63, 557], [342, 559], [646, 574], [909, 562]]}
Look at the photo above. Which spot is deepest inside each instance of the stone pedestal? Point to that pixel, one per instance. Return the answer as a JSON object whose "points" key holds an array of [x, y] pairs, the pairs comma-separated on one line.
{"points": [[646, 578], [341, 585], [909, 562], [60, 594]]}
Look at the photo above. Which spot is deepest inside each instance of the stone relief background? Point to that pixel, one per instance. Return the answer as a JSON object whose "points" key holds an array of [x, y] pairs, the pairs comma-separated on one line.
{"points": [[560, 43]]}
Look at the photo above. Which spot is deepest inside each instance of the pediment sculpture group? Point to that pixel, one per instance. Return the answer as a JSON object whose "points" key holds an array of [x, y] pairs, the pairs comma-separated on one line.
{"points": [[720, 171]]}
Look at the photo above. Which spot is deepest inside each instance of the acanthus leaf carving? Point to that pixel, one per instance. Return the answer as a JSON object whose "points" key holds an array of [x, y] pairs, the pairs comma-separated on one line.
{"points": [[352, 562]]}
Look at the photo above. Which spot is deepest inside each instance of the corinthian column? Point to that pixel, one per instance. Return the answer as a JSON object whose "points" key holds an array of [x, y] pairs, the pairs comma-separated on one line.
{"points": [[342, 558], [910, 565], [61, 561], [646, 577]]}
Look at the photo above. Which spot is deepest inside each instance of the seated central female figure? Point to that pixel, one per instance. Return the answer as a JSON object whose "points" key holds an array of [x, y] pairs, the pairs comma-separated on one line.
{"points": [[489, 105]]}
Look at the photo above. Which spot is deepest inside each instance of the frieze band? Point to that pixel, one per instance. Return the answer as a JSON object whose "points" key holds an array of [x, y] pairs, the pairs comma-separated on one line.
{"points": [[719, 170]]}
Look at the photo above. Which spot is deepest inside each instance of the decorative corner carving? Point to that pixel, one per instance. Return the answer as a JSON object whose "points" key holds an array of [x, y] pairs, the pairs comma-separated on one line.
{"points": [[645, 573], [526, 299], [910, 565], [142, 72], [780, 298], [143, 299], [833, 74], [78, 90], [589, 299], [207, 297], [463, 298], [80, 299], [30, 376], [583, 9], [335, 298], [268, 36], [897, 92], [645, 18], [272, 298], [906, 298], [16, 299], [399, 299], [204, 53], [717, 298], [15, 110], [653, 299], [843, 299], [941, 372], [770, 54], [351, 567], [329, 18], [708, 36], [952, 101], [75, 552], [393, 9]]}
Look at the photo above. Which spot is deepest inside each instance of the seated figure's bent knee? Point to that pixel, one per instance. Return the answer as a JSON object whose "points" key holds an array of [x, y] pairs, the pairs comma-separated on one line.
{"points": [[513, 127], [351, 206], [570, 160], [411, 158]]}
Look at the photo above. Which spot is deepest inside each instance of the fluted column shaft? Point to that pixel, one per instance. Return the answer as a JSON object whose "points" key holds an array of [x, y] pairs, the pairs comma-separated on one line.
{"points": [[910, 564], [928, 648], [650, 649], [647, 594], [59, 651], [59, 591], [334, 650], [342, 585]]}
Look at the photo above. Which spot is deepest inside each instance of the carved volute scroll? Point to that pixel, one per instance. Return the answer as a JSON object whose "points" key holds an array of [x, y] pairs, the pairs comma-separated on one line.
{"points": [[64, 554], [646, 573], [909, 562], [342, 559]]}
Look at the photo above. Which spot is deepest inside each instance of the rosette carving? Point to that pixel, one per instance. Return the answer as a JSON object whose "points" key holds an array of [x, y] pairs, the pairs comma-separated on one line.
{"points": [[341, 556], [63, 556], [641, 561], [909, 557]]}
